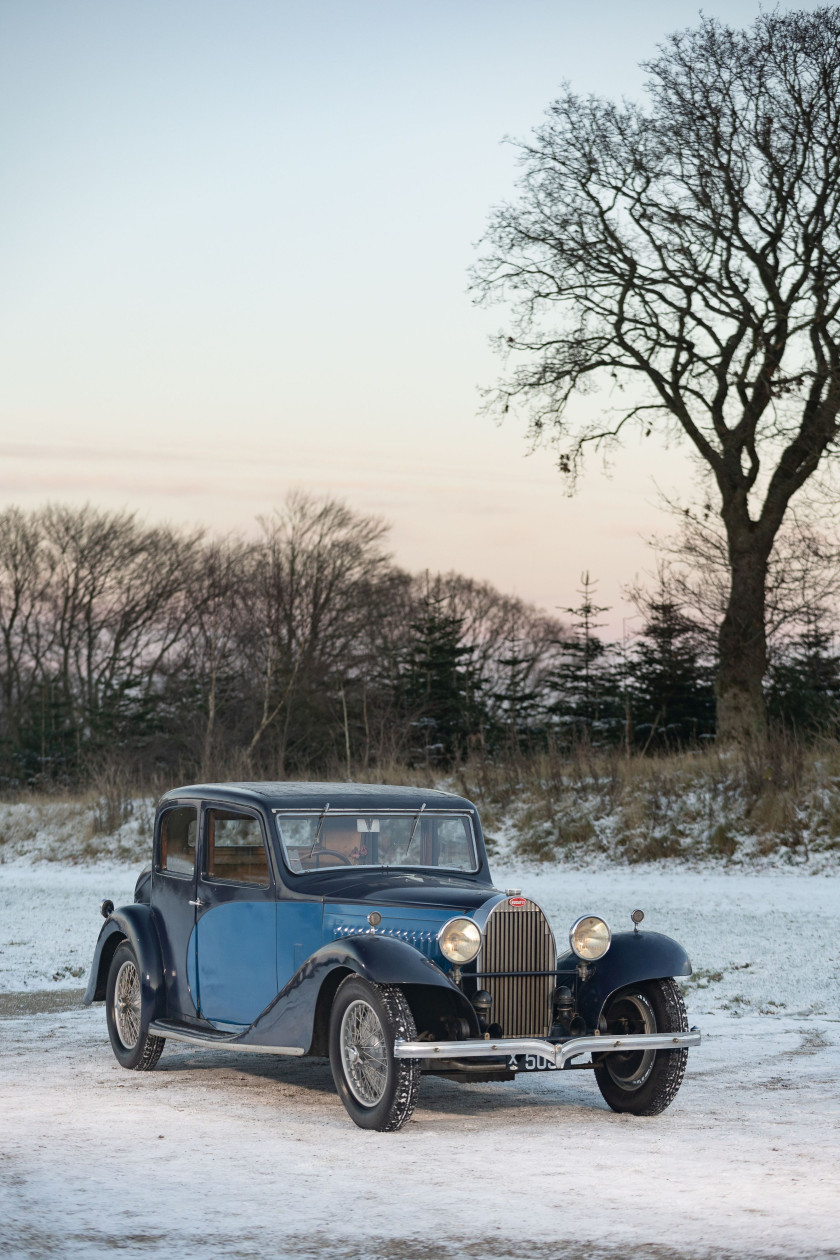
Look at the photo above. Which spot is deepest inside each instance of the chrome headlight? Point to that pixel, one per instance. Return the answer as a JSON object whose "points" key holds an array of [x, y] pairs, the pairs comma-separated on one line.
{"points": [[459, 940], [590, 937]]}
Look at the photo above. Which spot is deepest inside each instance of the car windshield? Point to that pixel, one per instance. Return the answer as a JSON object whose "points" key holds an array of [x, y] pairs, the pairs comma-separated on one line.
{"points": [[314, 841]]}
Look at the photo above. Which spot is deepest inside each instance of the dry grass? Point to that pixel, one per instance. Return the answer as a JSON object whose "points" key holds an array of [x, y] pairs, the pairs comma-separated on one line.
{"points": [[783, 798], [780, 800]]}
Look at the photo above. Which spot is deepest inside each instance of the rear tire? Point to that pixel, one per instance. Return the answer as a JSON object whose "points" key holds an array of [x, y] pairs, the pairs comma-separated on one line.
{"points": [[643, 1083], [128, 1021], [378, 1091]]}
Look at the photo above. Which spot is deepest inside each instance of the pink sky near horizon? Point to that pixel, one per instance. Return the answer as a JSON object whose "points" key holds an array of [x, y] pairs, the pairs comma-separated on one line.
{"points": [[516, 529], [235, 243]]}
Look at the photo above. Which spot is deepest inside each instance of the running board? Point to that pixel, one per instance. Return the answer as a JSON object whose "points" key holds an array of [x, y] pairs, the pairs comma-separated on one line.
{"points": [[221, 1041], [559, 1054]]}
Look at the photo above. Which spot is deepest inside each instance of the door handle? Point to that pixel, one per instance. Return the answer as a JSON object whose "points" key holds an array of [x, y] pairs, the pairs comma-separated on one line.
{"points": [[196, 903]]}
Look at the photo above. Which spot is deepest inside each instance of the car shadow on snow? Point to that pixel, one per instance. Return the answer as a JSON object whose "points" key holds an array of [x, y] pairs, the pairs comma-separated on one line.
{"points": [[309, 1078]]}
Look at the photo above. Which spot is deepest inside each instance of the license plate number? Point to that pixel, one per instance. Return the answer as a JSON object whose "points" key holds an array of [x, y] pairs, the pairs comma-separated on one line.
{"points": [[531, 1063]]}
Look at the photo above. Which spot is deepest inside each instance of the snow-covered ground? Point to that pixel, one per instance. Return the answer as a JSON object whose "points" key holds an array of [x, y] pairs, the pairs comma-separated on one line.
{"points": [[49, 920], [217, 1154]]}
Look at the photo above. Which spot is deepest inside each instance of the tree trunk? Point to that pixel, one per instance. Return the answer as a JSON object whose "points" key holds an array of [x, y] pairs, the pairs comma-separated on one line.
{"points": [[741, 712]]}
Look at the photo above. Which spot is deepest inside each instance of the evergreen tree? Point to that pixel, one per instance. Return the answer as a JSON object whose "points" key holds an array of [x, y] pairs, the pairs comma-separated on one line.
{"points": [[671, 688], [439, 685], [804, 690], [518, 699], [584, 681]]}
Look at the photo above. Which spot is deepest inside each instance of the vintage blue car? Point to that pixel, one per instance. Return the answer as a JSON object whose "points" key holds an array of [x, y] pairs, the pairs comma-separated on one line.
{"points": [[361, 922]]}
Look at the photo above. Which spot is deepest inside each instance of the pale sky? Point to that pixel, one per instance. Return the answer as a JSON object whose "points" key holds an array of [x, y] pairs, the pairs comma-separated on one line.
{"points": [[234, 242]]}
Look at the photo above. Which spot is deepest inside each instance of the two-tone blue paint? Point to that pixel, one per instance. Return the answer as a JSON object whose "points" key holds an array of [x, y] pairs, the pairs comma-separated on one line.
{"points": [[292, 1018], [414, 925], [264, 968], [243, 955]]}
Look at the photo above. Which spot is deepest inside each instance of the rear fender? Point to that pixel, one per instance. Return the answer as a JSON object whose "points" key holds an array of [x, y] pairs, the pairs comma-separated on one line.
{"points": [[632, 958], [136, 925]]}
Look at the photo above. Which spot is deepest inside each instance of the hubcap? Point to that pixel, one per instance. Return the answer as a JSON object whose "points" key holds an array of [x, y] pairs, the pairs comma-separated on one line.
{"points": [[127, 1005], [630, 1014], [364, 1054]]}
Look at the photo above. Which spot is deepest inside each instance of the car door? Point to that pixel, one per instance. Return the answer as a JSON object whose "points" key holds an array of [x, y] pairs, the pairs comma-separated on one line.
{"points": [[236, 918], [173, 903]]}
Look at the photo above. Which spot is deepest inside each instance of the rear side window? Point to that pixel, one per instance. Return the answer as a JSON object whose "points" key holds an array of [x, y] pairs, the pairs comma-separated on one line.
{"points": [[177, 841], [235, 851]]}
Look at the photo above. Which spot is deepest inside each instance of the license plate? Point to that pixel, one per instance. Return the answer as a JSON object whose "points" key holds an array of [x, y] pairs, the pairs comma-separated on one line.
{"points": [[531, 1063]]}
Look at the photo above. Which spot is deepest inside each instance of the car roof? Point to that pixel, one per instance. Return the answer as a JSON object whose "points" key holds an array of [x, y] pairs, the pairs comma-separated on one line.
{"points": [[316, 795]]}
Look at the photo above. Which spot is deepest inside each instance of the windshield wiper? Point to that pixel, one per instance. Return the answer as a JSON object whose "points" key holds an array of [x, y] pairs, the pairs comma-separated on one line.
{"points": [[321, 818], [413, 829]]}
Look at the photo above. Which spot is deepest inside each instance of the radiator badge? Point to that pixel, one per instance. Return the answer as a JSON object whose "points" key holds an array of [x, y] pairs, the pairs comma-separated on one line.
{"points": [[516, 902]]}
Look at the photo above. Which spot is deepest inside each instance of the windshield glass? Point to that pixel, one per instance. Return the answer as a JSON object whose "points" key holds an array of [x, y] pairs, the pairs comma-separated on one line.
{"points": [[316, 841]]}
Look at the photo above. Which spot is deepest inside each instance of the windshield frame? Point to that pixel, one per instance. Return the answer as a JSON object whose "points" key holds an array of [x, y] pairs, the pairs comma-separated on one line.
{"points": [[359, 811]]}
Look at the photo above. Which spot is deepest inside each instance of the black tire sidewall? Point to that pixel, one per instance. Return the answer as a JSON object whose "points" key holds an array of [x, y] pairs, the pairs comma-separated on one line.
{"points": [[354, 989], [129, 1058], [658, 1090]]}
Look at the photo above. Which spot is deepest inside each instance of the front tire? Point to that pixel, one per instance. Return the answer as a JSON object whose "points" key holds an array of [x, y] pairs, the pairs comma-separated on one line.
{"points": [[128, 1023], [644, 1082], [378, 1091]]}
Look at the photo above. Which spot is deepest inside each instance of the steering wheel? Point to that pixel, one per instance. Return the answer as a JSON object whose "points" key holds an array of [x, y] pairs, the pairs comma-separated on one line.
{"points": [[333, 853]]}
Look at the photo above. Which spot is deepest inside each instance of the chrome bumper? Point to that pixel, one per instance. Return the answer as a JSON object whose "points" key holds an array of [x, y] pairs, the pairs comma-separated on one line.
{"points": [[558, 1054]]}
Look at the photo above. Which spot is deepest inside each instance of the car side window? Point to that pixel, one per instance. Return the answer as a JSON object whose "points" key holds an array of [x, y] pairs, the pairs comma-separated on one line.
{"points": [[234, 851], [178, 827]]}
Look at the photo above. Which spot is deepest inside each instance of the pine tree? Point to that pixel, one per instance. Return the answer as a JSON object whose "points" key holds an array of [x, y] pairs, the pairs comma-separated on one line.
{"points": [[804, 690], [584, 681], [518, 700], [672, 694], [440, 691]]}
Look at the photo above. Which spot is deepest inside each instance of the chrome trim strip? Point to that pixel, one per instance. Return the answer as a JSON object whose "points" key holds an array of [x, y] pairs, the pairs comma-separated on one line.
{"points": [[222, 1043], [560, 1053]]}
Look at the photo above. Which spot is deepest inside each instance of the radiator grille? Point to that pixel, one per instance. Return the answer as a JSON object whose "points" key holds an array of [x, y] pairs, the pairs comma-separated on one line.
{"points": [[519, 939]]}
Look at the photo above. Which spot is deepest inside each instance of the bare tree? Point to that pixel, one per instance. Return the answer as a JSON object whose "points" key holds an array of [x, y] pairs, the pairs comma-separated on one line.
{"points": [[92, 609], [690, 250], [317, 572], [803, 572], [115, 603], [210, 655], [25, 576]]}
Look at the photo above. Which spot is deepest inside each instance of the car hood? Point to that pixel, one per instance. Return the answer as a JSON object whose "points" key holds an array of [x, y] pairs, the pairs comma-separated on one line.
{"points": [[412, 891]]}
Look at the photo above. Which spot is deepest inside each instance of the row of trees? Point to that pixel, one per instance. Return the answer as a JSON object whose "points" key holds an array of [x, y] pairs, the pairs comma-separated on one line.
{"points": [[303, 648], [308, 650]]}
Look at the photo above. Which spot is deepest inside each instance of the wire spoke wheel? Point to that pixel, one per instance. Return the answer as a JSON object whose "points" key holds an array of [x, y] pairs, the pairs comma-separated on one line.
{"points": [[364, 1053], [378, 1090], [127, 1013], [127, 1004]]}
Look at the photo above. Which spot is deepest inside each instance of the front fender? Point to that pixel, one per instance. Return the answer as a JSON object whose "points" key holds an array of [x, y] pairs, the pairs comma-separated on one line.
{"points": [[386, 960], [632, 958], [294, 1017], [135, 924]]}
